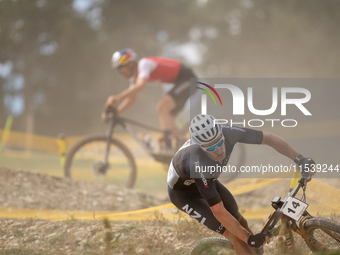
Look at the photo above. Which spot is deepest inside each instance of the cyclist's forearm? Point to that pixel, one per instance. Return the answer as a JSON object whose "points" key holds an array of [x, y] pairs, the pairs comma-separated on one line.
{"points": [[130, 92], [230, 223], [126, 104], [279, 145], [133, 90]]}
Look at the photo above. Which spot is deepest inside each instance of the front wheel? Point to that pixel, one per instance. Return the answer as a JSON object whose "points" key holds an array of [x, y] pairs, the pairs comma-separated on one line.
{"points": [[212, 245], [325, 231], [85, 161]]}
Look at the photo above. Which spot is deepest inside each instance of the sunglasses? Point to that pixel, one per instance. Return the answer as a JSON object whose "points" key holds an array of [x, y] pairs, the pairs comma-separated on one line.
{"points": [[213, 147]]}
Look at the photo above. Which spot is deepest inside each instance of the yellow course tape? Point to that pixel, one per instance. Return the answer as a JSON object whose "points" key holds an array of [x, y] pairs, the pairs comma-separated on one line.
{"points": [[318, 191], [324, 194], [246, 185], [168, 212], [49, 143], [264, 212], [5, 133]]}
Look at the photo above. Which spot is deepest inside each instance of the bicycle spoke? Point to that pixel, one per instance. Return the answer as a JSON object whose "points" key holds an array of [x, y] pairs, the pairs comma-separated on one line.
{"points": [[88, 165]]}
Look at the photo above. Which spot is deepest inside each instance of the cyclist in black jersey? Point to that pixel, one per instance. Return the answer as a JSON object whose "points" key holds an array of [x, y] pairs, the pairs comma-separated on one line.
{"points": [[201, 195]]}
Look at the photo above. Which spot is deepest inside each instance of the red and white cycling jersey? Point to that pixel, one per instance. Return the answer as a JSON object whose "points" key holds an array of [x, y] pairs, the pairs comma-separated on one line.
{"points": [[158, 69]]}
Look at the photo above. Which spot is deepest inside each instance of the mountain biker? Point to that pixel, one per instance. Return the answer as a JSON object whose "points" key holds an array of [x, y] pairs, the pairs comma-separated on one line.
{"points": [[153, 69], [202, 196]]}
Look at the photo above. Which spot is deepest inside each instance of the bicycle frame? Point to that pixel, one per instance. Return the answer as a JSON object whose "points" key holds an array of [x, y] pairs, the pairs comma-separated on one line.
{"points": [[124, 122], [290, 224]]}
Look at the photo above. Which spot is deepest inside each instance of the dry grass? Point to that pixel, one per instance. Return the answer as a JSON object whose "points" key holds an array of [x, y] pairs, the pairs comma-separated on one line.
{"points": [[38, 237]]}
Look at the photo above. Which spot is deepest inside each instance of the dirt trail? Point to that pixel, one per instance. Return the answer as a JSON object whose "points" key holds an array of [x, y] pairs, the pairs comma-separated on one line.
{"points": [[25, 189]]}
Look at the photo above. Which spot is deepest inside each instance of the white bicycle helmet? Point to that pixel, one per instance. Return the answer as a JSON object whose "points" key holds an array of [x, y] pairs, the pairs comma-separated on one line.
{"points": [[203, 130], [123, 57]]}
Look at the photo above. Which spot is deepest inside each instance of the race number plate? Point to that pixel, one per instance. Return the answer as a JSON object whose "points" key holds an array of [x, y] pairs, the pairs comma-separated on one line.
{"points": [[294, 208]]}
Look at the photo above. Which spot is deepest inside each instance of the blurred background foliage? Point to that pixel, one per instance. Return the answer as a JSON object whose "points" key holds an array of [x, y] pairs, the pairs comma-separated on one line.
{"points": [[55, 72]]}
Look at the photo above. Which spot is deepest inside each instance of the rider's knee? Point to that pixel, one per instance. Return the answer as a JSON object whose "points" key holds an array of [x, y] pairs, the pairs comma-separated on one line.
{"points": [[160, 108], [163, 108], [166, 105]]}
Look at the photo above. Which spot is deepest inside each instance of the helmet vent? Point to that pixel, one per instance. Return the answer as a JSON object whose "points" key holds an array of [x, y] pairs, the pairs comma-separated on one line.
{"points": [[203, 130]]}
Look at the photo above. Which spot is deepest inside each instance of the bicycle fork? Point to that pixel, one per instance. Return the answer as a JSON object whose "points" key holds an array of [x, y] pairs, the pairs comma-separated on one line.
{"points": [[288, 233], [288, 227]]}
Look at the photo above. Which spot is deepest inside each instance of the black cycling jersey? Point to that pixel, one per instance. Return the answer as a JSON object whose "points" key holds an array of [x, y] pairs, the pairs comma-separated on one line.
{"points": [[183, 173], [194, 193]]}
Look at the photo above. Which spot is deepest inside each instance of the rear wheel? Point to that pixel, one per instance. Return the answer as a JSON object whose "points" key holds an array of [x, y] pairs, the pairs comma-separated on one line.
{"points": [[212, 245], [85, 161], [326, 231]]}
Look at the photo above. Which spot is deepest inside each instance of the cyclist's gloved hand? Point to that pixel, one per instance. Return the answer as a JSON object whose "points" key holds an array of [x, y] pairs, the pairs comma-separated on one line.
{"points": [[257, 240], [305, 165], [107, 114], [109, 109], [112, 101]]}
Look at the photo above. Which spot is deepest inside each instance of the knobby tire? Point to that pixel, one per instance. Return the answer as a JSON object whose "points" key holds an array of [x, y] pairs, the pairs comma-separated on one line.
{"points": [[205, 245], [316, 227]]}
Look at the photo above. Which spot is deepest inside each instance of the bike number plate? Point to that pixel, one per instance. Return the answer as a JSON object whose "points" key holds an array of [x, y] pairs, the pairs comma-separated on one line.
{"points": [[294, 208]]}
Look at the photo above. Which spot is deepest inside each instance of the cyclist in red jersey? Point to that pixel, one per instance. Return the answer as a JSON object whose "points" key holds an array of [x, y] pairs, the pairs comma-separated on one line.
{"points": [[153, 69]]}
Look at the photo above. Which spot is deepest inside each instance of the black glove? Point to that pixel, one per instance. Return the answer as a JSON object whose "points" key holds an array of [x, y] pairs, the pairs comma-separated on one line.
{"points": [[305, 165], [109, 109], [257, 240], [108, 113]]}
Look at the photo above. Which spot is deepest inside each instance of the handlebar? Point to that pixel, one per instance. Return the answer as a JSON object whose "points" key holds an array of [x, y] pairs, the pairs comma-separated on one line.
{"points": [[301, 183], [109, 114], [110, 109]]}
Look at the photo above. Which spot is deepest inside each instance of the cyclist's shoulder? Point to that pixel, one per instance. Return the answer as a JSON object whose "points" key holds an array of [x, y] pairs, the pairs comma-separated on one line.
{"points": [[146, 61], [232, 130], [149, 60], [145, 66], [236, 129], [161, 60], [191, 153], [229, 128], [235, 134], [186, 151]]}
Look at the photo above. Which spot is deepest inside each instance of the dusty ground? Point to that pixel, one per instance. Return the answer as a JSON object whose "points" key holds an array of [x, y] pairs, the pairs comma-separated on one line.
{"points": [[95, 237], [22, 189]]}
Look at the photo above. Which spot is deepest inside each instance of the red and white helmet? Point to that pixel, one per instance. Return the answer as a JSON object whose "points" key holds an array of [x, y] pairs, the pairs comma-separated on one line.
{"points": [[123, 57]]}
